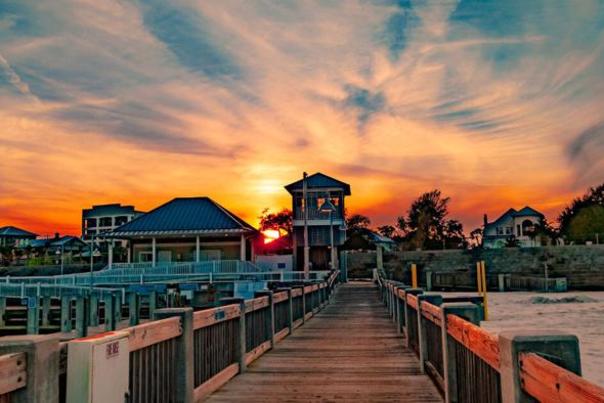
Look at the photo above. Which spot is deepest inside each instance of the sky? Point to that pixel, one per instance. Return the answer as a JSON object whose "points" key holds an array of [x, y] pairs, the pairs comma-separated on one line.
{"points": [[497, 103]]}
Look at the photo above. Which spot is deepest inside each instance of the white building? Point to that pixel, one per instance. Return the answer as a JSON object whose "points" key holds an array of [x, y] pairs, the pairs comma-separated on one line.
{"points": [[512, 224], [105, 218]]}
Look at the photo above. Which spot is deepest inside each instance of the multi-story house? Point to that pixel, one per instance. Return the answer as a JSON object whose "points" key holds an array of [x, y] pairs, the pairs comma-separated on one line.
{"points": [[513, 224], [322, 213], [105, 218]]}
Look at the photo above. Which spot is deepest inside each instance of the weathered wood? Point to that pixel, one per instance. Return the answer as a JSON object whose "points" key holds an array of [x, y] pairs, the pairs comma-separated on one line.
{"points": [[280, 296], [548, 382], [280, 335], [296, 292], [412, 301], [257, 352], [209, 317], [482, 343], [214, 383], [431, 312], [349, 351], [255, 304], [13, 374], [150, 333]]}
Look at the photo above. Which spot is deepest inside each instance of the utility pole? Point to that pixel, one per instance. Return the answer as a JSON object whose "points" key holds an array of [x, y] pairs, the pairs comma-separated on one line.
{"points": [[306, 247]]}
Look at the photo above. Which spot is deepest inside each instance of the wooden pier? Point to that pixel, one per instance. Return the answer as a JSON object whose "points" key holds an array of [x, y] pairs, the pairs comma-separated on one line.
{"points": [[350, 351]]}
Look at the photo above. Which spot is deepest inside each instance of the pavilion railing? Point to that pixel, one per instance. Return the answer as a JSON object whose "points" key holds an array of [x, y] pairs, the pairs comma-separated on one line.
{"points": [[469, 364]]}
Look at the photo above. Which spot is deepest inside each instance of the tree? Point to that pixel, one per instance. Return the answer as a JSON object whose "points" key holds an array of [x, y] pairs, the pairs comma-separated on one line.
{"points": [[584, 217], [357, 221], [426, 225], [387, 230], [476, 236], [281, 221]]}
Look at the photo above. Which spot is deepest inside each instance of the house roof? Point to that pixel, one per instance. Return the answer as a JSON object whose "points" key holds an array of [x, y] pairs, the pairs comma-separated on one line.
{"points": [[65, 240], [318, 180], [10, 231], [194, 215], [524, 212]]}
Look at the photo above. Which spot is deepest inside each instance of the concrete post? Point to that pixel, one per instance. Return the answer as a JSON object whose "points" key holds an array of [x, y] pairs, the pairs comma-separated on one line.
{"points": [[94, 310], [563, 349], [42, 357], [33, 315], [379, 253], [428, 280], [81, 322], [197, 247], [184, 352], [501, 282], [270, 321], [152, 303], [241, 340], [412, 291], [65, 314], [290, 319], [303, 305], [421, 327], [117, 309], [153, 251], [242, 248], [110, 254], [134, 308], [469, 312]]}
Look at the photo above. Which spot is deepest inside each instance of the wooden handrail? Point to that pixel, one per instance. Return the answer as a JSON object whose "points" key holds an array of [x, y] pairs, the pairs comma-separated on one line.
{"points": [[431, 312], [255, 304], [401, 294], [296, 292], [13, 373], [479, 341], [154, 332], [280, 296], [412, 301], [548, 382], [209, 317]]}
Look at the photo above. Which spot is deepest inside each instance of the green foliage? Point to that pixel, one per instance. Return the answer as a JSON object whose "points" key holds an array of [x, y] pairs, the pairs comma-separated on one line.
{"points": [[281, 221], [583, 218]]}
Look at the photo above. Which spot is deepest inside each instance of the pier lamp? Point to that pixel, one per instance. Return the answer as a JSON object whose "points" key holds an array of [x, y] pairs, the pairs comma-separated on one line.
{"points": [[328, 207]]}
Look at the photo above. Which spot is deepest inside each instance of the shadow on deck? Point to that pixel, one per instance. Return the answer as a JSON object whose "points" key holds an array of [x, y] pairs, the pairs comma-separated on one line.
{"points": [[349, 352]]}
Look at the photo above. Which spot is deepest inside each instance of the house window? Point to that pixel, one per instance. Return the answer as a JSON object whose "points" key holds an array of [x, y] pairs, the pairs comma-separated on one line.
{"points": [[90, 222], [105, 222], [518, 231], [508, 230], [121, 220], [499, 231]]}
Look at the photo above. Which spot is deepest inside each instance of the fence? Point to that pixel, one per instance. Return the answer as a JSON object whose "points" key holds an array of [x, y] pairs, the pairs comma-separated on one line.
{"points": [[469, 364]]}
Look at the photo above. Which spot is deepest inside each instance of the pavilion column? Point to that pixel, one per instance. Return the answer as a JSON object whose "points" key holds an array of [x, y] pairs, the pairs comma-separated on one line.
{"points": [[110, 254], [153, 252], [242, 251], [129, 254], [197, 255]]}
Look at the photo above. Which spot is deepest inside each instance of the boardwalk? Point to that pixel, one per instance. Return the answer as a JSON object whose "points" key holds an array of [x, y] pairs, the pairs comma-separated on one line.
{"points": [[349, 352]]}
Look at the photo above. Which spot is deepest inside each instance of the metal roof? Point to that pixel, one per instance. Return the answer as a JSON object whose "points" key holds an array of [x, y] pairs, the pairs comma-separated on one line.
{"points": [[195, 215], [527, 212], [10, 231], [319, 180], [108, 209]]}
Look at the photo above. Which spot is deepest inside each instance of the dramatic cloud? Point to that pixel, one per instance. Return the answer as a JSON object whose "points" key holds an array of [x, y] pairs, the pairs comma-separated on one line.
{"points": [[498, 103]]}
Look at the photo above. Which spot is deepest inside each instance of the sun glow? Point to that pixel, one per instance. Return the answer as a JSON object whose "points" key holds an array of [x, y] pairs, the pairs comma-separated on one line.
{"points": [[270, 235]]}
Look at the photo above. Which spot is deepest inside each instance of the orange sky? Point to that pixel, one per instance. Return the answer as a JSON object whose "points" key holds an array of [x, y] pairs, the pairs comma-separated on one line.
{"points": [[124, 102]]}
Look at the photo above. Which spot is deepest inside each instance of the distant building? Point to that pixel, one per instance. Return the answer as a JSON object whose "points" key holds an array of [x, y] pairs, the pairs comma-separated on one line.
{"points": [[187, 230], [105, 218], [15, 237], [323, 194], [512, 224]]}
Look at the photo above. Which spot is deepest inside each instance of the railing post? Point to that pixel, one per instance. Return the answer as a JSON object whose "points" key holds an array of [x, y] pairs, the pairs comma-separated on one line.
{"points": [[399, 310], [110, 313], [42, 367], [303, 304], [117, 309], [66, 314], [290, 311], [2, 310], [241, 339], [469, 312], [412, 291], [33, 315], [45, 310], [421, 327], [94, 310], [269, 323], [560, 348], [134, 308], [184, 352], [152, 303], [81, 322]]}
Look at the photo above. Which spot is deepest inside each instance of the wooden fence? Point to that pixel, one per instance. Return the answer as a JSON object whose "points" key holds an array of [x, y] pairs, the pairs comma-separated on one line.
{"points": [[13, 375], [469, 364]]}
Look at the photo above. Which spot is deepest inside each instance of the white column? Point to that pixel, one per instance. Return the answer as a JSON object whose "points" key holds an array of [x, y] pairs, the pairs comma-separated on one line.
{"points": [[129, 257], [110, 254], [242, 251], [153, 252], [197, 255]]}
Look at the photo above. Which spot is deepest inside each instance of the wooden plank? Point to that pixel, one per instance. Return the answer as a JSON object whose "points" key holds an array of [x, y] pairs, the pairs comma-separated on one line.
{"points": [[209, 317], [548, 382], [280, 296], [412, 301], [308, 315], [215, 382], [296, 292], [150, 333], [255, 304], [298, 323], [431, 312], [308, 289], [280, 335], [401, 294], [257, 352], [13, 372], [479, 341]]}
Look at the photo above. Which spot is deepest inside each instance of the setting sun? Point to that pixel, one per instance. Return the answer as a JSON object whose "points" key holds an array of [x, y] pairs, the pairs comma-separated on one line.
{"points": [[270, 235]]}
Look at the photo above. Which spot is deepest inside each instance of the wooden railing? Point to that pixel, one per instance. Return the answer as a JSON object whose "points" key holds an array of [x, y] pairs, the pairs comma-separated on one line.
{"points": [[466, 361], [13, 374]]}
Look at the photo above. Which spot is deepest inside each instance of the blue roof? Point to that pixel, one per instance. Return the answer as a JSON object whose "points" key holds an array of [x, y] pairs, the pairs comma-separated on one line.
{"points": [[527, 211], [10, 231], [184, 216], [319, 180]]}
